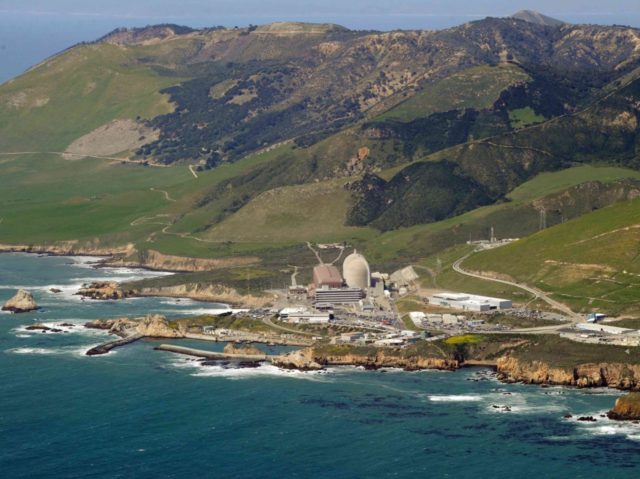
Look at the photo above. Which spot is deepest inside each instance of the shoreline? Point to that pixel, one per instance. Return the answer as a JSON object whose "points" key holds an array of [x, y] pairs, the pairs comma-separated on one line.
{"points": [[227, 297]]}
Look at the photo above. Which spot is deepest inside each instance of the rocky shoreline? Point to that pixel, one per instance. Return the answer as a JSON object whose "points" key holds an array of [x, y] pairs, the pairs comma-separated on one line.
{"points": [[128, 257], [621, 376]]}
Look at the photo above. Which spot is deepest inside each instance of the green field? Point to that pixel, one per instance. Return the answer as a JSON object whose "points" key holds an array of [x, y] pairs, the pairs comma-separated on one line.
{"points": [[477, 87], [72, 94], [523, 117]]}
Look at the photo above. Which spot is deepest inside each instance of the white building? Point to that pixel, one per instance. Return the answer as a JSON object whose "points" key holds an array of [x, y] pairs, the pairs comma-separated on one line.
{"points": [[469, 302], [356, 272]]}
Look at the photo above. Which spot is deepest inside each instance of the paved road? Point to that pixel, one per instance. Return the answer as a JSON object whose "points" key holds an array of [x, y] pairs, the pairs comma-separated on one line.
{"points": [[535, 291], [268, 322]]}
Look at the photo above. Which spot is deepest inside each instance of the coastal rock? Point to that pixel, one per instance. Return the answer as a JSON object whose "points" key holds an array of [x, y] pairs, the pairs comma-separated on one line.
{"points": [[613, 375], [22, 302], [157, 326], [242, 350], [152, 325], [627, 408], [302, 360], [103, 290]]}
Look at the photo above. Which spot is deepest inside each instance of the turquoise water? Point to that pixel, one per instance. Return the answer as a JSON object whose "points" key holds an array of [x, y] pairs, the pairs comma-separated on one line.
{"points": [[144, 413]]}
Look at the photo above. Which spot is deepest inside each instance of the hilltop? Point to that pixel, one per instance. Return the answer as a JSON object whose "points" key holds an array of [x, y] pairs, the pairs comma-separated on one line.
{"points": [[538, 18]]}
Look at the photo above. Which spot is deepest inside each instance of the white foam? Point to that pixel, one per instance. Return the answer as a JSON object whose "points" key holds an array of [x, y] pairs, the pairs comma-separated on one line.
{"points": [[264, 370], [23, 335], [455, 398], [32, 351], [603, 426], [77, 328], [78, 351]]}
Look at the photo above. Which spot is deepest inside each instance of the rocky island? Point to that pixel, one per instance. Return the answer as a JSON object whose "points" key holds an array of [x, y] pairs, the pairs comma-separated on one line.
{"points": [[627, 408], [22, 302], [104, 290]]}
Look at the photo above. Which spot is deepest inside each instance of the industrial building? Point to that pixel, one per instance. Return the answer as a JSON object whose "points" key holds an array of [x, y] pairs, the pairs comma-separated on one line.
{"points": [[469, 302], [356, 272], [338, 295], [326, 275], [302, 315]]}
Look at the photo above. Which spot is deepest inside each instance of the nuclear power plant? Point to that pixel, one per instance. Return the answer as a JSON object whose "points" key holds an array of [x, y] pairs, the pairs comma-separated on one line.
{"points": [[329, 287], [355, 271]]}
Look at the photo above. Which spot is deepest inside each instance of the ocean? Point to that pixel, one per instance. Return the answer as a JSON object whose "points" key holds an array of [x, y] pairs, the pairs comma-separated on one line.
{"points": [[140, 413]]}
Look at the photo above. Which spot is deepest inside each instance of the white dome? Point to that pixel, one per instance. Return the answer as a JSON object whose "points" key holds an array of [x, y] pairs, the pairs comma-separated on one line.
{"points": [[355, 271]]}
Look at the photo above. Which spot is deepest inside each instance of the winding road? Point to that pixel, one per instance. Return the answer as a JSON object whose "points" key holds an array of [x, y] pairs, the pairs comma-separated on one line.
{"points": [[535, 291]]}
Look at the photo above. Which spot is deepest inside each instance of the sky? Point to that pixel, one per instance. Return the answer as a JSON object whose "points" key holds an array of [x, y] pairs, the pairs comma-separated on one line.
{"points": [[32, 30]]}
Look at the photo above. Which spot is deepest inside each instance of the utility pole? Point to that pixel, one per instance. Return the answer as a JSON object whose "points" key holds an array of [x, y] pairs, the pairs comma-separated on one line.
{"points": [[543, 219]]}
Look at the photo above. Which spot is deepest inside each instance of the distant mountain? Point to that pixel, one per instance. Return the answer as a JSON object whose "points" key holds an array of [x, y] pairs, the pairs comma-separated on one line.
{"points": [[538, 18]]}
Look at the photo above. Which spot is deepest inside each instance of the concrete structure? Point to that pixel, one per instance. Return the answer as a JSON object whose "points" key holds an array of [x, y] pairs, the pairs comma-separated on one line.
{"points": [[309, 318], [417, 317], [356, 272], [292, 311], [601, 328], [469, 302], [326, 275], [367, 306], [404, 277], [351, 337], [338, 295]]}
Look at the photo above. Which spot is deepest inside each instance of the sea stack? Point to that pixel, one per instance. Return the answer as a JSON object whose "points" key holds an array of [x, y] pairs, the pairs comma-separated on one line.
{"points": [[627, 408], [22, 302]]}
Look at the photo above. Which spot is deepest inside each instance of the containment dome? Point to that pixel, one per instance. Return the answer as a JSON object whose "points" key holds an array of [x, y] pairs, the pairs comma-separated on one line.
{"points": [[355, 271]]}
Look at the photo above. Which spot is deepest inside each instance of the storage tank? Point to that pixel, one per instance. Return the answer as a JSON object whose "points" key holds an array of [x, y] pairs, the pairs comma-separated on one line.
{"points": [[355, 271]]}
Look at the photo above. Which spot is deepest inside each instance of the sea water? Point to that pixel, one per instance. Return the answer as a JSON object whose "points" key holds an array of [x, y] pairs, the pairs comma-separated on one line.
{"points": [[138, 413]]}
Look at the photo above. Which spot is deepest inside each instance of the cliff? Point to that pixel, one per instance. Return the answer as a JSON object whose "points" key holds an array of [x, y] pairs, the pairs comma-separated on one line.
{"points": [[613, 375], [316, 358], [627, 408], [207, 292], [155, 260], [22, 302]]}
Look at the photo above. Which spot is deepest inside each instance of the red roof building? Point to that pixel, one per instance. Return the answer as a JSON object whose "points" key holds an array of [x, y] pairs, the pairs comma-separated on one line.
{"points": [[326, 275]]}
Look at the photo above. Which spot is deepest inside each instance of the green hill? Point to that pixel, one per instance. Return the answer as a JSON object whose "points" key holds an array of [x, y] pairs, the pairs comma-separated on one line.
{"points": [[591, 263]]}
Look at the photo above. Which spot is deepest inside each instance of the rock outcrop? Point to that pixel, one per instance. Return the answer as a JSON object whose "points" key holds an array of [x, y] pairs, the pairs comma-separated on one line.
{"points": [[627, 408], [152, 325], [104, 290], [302, 360], [242, 350], [22, 302], [613, 375], [157, 326]]}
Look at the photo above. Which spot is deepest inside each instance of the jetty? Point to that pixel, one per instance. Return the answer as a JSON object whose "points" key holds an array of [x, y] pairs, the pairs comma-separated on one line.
{"points": [[213, 355], [106, 347]]}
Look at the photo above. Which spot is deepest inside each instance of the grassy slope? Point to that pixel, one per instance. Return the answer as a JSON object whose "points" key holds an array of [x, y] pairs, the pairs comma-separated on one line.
{"points": [[311, 212], [477, 87], [74, 93], [592, 263], [424, 240]]}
